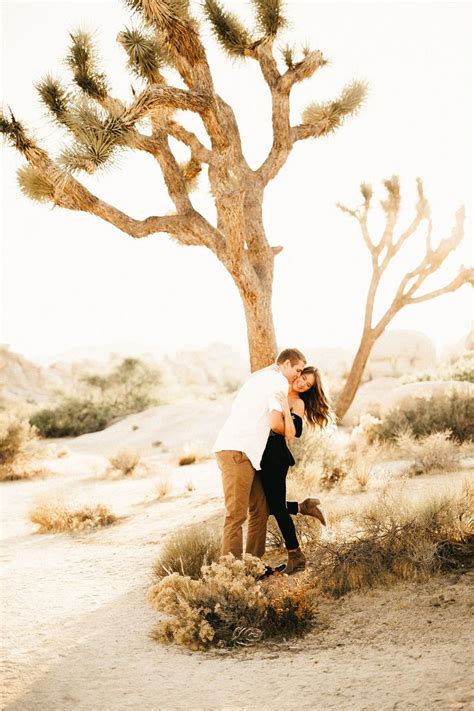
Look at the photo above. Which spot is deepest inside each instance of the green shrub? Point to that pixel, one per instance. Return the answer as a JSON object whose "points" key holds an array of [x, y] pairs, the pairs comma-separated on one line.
{"points": [[71, 418], [460, 369], [463, 369], [437, 414], [127, 387], [102, 398]]}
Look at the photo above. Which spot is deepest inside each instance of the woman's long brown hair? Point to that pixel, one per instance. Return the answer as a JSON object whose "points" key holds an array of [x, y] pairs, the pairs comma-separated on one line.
{"points": [[318, 411]]}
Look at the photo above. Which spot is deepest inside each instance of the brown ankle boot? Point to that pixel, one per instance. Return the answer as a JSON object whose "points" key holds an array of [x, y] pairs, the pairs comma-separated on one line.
{"points": [[296, 562], [309, 507]]}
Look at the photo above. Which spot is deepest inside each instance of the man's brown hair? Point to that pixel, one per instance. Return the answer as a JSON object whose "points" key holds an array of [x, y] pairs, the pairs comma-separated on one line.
{"points": [[291, 354]]}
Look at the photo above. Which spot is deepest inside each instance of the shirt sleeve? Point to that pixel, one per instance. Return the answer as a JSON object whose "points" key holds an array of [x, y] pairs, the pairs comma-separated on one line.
{"points": [[273, 403]]}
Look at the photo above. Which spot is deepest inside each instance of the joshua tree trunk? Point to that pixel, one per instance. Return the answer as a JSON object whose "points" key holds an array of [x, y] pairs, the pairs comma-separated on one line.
{"points": [[382, 253], [260, 332], [100, 126], [354, 378]]}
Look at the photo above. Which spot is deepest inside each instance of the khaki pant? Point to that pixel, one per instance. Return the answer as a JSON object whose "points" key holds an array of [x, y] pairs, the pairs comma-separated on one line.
{"points": [[243, 493]]}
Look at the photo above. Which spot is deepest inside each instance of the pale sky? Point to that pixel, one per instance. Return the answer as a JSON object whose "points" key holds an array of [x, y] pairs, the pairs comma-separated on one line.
{"points": [[73, 281]]}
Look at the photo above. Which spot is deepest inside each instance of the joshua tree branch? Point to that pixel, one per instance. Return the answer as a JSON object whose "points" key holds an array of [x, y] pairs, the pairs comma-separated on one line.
{"points": [[465, 276], [306, 130], [280, 87], [198, 150], [303, 70]]}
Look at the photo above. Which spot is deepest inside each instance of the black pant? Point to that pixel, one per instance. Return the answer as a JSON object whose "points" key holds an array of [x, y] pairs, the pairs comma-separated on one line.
{"points": [[274, 485]]}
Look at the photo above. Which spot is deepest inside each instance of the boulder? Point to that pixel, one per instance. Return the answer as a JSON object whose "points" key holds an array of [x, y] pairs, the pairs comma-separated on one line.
{"points": [[399, 352], [368, 399]]}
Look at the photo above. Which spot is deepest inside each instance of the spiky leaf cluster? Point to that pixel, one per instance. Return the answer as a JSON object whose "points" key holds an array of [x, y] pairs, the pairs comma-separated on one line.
{"points": [[34, 185], [269, 15], [82, 62], [288, 55], [145, 56], [14, 132], [54, 97], [151, 10], [172, 20], [330, 115], [97, 135], [229, 32]]}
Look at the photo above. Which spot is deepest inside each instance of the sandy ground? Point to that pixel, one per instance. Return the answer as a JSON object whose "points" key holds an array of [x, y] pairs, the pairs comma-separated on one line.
{"points": [[76, 623]]}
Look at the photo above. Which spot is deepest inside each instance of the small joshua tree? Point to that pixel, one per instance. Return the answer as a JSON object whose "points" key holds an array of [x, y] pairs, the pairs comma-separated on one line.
{"points": [[100, 126], [382, 253]]}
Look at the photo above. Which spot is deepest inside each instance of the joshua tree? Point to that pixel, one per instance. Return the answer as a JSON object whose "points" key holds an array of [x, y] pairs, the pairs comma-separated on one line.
{"points": [[100, 125], [382, 252]]}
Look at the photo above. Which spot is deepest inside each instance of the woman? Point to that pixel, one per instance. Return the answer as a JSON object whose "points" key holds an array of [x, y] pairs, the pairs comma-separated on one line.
{"points": [[306, 401]]}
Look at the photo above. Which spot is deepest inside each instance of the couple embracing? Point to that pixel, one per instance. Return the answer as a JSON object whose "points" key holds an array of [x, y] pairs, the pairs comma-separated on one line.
{"points": [[253, 456]]}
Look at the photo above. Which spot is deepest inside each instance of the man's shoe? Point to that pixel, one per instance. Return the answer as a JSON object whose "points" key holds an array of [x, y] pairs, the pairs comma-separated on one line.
{"points": [[266, 573], [296, 562], [309, 507]]}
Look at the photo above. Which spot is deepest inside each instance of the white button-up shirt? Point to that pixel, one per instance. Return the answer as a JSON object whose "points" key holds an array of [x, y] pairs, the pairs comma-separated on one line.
{"points": [[248, 425]]}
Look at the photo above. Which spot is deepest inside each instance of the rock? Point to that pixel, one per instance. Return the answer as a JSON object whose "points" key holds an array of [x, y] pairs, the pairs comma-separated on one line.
{"points": [[398, 352], [368, 399]]}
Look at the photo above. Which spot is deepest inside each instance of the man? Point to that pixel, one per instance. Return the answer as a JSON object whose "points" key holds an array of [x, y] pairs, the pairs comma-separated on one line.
{"points": [[239, 448]]}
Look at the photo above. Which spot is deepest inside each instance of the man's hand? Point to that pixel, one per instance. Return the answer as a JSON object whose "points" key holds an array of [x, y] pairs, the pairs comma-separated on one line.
{"points": [[283, 401]]}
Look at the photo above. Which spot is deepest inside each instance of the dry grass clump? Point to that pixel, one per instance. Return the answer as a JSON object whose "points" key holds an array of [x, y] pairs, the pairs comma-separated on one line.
{"points": [[320, 463], [18, 448], [308, 531], [397, 539], [193, 452], [56, 517], [163, 486], [125, 463], [228, 606], [325, 462], [187, 550], [434, 453], [438, 413]]}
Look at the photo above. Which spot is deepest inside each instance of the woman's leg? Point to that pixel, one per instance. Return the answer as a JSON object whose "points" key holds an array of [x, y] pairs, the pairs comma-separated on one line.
{"points": [[308, 507], [274, 485]]}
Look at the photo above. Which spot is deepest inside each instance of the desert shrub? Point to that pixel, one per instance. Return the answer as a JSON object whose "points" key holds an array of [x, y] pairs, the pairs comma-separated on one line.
{"points": [[435, 452], [17, 448], [460, 369], [127, 388], [125, 462], [193, 452], [101, 399], [439, 413], [227, 606], [56, 517], [72, 417], [396, 540], [308, 531], [320, 463], [463, 369], [187, 550]]}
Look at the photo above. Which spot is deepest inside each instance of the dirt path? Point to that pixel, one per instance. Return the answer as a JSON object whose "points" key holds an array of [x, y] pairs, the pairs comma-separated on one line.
{"points": [[76, 623]]}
